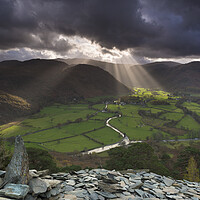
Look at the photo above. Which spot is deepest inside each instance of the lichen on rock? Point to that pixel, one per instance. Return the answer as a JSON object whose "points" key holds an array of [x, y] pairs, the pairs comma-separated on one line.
{"points": [[17, 170]]}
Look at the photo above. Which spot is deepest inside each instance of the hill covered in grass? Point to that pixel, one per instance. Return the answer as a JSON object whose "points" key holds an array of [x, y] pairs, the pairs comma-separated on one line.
{"points": [[166, 75], [170, 75], [37, 83]]}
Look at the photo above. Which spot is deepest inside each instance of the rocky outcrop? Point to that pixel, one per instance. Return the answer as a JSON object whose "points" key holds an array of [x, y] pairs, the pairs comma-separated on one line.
{"points": [[18, 169], [101, 184]]}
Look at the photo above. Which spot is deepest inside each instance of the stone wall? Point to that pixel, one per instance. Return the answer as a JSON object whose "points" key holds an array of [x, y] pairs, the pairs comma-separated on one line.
{"points": [[100, 184]]}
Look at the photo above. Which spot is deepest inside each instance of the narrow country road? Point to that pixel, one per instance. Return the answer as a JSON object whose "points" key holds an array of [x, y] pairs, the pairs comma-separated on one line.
{"points": [[118, 131], [124, 141]]}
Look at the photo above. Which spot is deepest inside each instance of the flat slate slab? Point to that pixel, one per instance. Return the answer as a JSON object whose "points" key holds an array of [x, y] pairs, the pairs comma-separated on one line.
{"points": [[16, 191]]}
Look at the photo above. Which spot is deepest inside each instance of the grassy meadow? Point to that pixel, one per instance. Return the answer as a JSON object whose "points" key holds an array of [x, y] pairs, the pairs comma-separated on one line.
{"points": [[80, 127]]}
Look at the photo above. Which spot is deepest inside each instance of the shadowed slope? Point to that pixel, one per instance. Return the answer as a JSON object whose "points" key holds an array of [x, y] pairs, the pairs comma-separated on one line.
{"points": [[171, 75], [40, 82], [166, 75]]}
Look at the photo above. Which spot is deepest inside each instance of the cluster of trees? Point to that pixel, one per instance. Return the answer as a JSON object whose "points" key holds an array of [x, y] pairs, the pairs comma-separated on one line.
{"points": [[142, 156], [192, 173], [188, 159], [40, 159], [131, 99], [136, 156]]}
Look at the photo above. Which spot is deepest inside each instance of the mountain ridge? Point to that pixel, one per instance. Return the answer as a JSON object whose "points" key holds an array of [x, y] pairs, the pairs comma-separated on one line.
{"points": [[165, 74], [41, 82]]}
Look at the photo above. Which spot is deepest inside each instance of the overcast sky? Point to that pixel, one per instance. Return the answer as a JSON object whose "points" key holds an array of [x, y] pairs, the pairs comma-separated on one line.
{"points": [[110, 30]]}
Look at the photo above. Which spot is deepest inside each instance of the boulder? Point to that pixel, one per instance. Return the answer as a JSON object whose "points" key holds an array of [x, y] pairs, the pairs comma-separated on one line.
{"points": [[16, 191], [168, 181], [38, 186], [17, 170], [52, 183], [110, 187]]}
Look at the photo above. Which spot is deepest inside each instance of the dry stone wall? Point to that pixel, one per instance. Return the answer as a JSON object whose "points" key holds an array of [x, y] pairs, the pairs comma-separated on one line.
{"points": [[100, 184], [18, 182]]}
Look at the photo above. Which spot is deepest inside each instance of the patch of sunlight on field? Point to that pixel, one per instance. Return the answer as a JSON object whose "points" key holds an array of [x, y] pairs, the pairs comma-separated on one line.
{"points": [[147, 93], [16, 130], [105, 135], [74, 144]]}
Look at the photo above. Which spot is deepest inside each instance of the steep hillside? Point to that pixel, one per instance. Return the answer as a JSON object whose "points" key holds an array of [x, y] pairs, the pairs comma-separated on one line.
{"points": [[166, 75], [169, 75], [40, 82], [88, 81], [119, 71]]}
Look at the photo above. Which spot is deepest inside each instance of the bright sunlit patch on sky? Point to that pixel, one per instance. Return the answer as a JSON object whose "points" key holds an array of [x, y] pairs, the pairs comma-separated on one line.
{"points": [[79, 47], [179, 60], [84, 48]]}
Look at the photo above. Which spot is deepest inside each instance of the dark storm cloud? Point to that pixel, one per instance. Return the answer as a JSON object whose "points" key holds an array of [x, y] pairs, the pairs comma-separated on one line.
{"points": [[180, 28], [153, 28]]}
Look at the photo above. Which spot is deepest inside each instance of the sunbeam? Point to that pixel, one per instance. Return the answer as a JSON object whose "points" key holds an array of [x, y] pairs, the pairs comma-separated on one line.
{"points": [[134, 75]]}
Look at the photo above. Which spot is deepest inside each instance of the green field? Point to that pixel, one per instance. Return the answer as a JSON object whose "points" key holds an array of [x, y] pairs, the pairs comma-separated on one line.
{"points": [[79, 143], [172, 116], [99, 106], [64, 131], [77, 127], [64, 123], [134, 128], [148, 93], [102, 116], [127, 110], [192, 106], [189, 123], [105, 135]]}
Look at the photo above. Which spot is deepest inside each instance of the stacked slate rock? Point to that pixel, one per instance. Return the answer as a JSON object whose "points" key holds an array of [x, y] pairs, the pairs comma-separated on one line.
{"points": [[101, 184]]}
